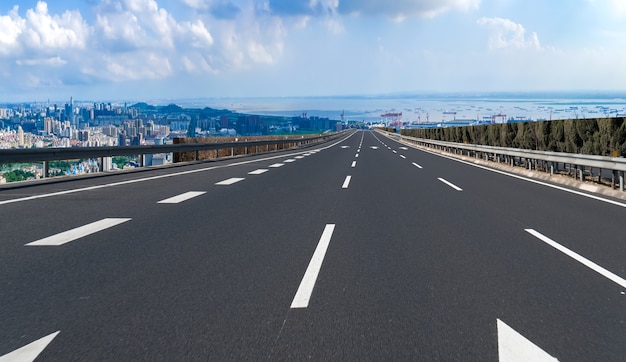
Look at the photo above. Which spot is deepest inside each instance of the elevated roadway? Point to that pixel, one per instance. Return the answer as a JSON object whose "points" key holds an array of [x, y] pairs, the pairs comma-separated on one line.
{"points": [[357, 249]]}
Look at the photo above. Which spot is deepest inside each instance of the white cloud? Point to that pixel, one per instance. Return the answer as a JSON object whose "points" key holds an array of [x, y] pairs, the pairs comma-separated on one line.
{"points": [[11, 26], [53, 61], [54, 32], [40, 33], [508, 34]]}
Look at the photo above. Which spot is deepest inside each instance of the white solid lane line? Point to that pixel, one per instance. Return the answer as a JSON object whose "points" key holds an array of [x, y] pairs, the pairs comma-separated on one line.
{"points": [[303, 295], [79, 232], [229, 181], [416, 165], [346, 182], [258, 172], [450, 184], [353, 164], [30, 351], [182, 197], [513, 347], [579, 258], [276, 165]]}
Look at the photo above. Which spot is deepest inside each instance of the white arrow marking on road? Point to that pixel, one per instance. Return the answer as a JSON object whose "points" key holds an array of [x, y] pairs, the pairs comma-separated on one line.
{"points": [[416, 165], [450, 184], [303, 295], [77, 233], [346, 182], [29, 352], [230, 181], [513, 347], [579, 258], [182, 197]]}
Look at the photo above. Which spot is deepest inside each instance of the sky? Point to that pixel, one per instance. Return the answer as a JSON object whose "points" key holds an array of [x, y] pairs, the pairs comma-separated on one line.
{"points": [[174, 49]]}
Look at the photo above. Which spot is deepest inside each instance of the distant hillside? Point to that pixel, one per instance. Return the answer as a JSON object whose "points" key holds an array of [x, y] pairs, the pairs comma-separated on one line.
{"points": [[171, 108], [144, 106]]}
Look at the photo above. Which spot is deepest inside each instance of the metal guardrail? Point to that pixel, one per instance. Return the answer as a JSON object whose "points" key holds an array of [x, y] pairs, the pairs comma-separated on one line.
{"points": [[54, 154], [549, 161]]}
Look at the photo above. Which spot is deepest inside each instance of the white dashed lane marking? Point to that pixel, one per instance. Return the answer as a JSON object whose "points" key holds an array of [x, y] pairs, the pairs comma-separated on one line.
{"points": [[230, 181], [346, 182], [182, 197], [258, 172], [579, 258], [79, 232], [303, 295], [450, 184]]}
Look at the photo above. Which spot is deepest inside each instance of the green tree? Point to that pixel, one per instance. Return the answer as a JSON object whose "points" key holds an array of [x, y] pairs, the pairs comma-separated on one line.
{"points": [[573, 142]]}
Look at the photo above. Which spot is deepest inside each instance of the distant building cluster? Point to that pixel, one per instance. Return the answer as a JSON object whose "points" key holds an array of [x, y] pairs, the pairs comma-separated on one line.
{"points": [[96, 124]]}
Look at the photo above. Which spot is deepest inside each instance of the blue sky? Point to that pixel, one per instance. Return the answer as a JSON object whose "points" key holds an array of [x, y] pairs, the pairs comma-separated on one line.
{"points": [[157, 49]]}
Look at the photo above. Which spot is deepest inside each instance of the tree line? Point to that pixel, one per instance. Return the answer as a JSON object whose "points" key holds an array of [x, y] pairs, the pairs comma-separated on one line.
{"points": [[598, 136]]}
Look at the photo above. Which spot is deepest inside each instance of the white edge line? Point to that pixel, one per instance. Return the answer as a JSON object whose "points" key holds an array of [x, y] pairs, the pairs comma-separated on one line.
{"points": [[597, 198], [303, 295], [120, 183], [450, 184], [416, 165], [79, 232], [346, 182], [581, 259], [182, 197]]}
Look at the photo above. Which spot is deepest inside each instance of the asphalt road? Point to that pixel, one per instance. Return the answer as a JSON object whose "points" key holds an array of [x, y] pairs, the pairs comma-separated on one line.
{"points": [[357, 249]]}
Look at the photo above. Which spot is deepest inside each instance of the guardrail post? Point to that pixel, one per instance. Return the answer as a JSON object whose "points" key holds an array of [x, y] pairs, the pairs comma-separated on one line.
{"points": [[142, 160], [621, 181], [551, 168], [46, 169], [106, 164]]}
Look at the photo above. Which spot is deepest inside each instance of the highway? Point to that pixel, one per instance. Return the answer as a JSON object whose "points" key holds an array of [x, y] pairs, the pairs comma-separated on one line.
{"points": [[357, 249]]}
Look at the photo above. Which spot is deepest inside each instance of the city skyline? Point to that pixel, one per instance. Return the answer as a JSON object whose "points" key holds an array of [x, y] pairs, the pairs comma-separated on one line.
{"points": [[165, 49]]}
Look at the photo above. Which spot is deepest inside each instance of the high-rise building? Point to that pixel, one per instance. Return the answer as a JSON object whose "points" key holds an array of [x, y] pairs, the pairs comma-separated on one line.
{"points": [[20, 136]]}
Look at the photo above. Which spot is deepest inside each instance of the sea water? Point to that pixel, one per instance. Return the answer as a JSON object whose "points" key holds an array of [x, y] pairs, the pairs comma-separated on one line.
{"points": [[433, 108]]}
